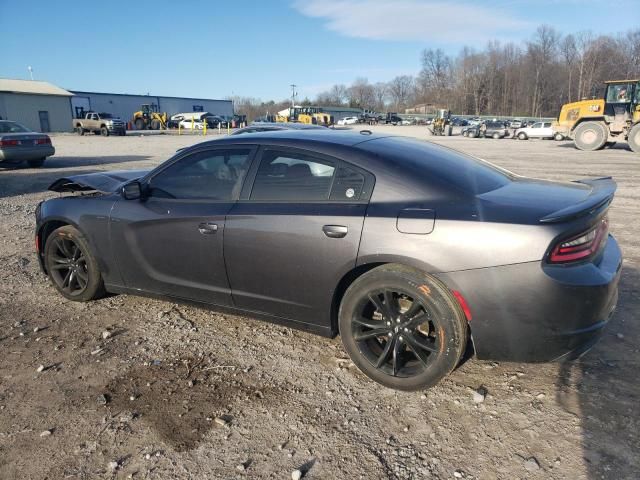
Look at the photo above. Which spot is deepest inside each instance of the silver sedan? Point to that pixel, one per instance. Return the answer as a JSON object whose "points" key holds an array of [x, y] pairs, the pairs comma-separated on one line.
{"points": [[19, 144]]}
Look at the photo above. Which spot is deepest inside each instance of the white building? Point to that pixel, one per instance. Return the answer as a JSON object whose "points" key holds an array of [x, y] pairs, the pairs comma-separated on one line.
{"points": [[123, 105], [40, 106]]}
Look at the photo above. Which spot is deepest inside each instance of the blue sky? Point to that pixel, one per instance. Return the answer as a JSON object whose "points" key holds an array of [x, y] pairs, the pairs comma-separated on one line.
{"points": [[213, 49]]}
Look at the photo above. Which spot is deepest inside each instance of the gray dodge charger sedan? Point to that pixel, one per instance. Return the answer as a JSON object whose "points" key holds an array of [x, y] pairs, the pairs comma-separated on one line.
{"points": [[414, 253]]}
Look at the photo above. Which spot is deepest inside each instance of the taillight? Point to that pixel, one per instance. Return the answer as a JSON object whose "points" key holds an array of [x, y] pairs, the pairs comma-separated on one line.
{"points": [[9, 143], [581, 246], [43, 141]]}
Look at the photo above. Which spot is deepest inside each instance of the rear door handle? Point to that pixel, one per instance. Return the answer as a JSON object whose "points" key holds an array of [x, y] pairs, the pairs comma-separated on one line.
{"points": [[207, 228], [335, 231]]}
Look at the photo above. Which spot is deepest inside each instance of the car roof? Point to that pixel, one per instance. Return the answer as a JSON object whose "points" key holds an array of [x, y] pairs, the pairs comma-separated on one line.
{"points": [[320, 135]]}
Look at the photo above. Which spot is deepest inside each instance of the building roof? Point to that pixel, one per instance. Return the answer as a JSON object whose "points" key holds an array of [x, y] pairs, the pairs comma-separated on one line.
{"points": [[33, 87]]}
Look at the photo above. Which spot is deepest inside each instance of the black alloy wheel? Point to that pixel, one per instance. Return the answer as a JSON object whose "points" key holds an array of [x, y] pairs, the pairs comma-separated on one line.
{"points": [[396, 333], [402, 328], [71, 266]]}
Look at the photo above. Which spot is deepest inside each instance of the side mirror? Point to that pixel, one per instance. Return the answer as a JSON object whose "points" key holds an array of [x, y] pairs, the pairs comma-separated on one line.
{"points": [[132, 191]]}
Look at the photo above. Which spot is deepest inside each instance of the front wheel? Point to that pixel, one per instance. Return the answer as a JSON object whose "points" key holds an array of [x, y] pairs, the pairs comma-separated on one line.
{"points": [[402, 328], [590, 136], [104, 131], [496, 136], [72, 268], [522, 136], [558, 137], [634, 138]]}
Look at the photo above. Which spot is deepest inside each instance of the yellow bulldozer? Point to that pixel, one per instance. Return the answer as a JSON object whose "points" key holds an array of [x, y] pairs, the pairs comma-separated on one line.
{"points": [[149, 118], [592, 124], [307, 115]]}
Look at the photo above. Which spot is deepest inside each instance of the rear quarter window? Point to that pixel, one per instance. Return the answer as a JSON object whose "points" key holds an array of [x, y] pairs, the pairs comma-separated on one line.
{"points": [[443, 165]]}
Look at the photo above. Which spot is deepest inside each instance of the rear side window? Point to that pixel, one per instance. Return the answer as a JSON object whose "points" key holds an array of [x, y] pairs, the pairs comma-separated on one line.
{"points": [[292, 176], [347, 185]]}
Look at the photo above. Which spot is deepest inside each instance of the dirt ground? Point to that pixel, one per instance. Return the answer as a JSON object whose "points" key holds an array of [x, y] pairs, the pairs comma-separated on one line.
{"points": [[175, 391]]}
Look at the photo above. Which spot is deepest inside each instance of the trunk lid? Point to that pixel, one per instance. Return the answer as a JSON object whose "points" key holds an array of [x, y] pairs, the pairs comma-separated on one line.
{"points": [[541, 201]]}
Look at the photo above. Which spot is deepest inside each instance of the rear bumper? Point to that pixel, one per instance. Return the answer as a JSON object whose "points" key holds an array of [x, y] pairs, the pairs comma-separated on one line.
{"points": [[533, 312], [21, 154]]}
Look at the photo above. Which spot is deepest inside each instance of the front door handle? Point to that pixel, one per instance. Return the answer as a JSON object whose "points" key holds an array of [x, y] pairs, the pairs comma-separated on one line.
{"points": [[335, 231], [207, 228]]}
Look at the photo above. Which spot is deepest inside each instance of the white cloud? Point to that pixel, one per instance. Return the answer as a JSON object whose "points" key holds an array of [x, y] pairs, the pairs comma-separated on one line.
{"points": [[416, 20]]}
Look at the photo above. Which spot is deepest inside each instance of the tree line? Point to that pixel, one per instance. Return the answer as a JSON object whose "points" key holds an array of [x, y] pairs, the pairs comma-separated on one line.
{"points": [[530, 79]]}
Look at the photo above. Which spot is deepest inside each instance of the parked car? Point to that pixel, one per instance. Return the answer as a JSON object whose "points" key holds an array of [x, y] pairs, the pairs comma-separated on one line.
{"points": [[104, 124], [393, 119], [272, 127], [191, 124], [515, 123], [537, 130], [487, 129], [19, 144], [340, 232], [348, 121]]}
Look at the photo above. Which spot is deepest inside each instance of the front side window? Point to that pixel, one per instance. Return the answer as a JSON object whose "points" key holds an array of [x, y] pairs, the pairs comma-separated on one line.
{"points": [[210, 175], [547, 125], [288, 176], [536, 125]]}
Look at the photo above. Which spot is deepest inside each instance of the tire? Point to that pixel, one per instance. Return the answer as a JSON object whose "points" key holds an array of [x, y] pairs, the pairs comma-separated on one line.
{"points": [[37, 163], [104, 131], [558, 137], [522, 136], [80, 131], [71, 266], [634, 138], [465, 134], [155, 125], [402, 354], [590, 136], [496, 136], [140, 125], [472, 134]]}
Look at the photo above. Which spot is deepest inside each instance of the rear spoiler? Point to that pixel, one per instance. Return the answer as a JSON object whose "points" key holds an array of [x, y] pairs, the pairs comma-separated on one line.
{"points": [[602, 191]]}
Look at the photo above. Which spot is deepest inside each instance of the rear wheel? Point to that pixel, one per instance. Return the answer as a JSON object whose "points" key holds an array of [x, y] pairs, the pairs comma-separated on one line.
{"points": [[36, 163], [72, 268], [496, 136], [465, 133], [522, 136], [590, 136], [80, 130], [155, 125], [634, 138], [402, 328], [140, 125]]}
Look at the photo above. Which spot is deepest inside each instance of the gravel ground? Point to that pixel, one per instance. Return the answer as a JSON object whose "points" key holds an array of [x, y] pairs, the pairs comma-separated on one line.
{"points": [[129, 387]]}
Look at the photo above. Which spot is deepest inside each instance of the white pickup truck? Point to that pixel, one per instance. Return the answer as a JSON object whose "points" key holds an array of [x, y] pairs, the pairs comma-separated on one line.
{"points": [[537, 130], [104, 124]]}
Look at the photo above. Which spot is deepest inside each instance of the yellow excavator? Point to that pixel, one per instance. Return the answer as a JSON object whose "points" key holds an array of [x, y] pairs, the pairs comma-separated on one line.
{"points": [[592, 124], [149, 118]]}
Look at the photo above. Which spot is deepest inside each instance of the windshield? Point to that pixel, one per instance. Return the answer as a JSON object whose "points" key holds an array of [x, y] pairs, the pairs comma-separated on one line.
{"points": [[12, 127], [620, 93], [105, 115]]}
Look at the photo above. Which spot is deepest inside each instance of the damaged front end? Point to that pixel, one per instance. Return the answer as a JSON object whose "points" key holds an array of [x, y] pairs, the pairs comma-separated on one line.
{"points": [[103, 182]]}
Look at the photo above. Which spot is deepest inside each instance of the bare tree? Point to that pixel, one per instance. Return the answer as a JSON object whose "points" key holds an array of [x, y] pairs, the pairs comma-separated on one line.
{"points": [[400, 91], [361, 94]]}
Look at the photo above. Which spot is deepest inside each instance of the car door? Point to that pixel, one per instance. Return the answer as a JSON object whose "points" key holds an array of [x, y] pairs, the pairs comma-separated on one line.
{"points": [[294, 233], [535, 130], [170, 242], [546, 131]]}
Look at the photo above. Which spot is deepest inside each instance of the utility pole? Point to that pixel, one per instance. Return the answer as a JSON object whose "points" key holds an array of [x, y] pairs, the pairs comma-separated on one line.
{"points": [[293, 94]]}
